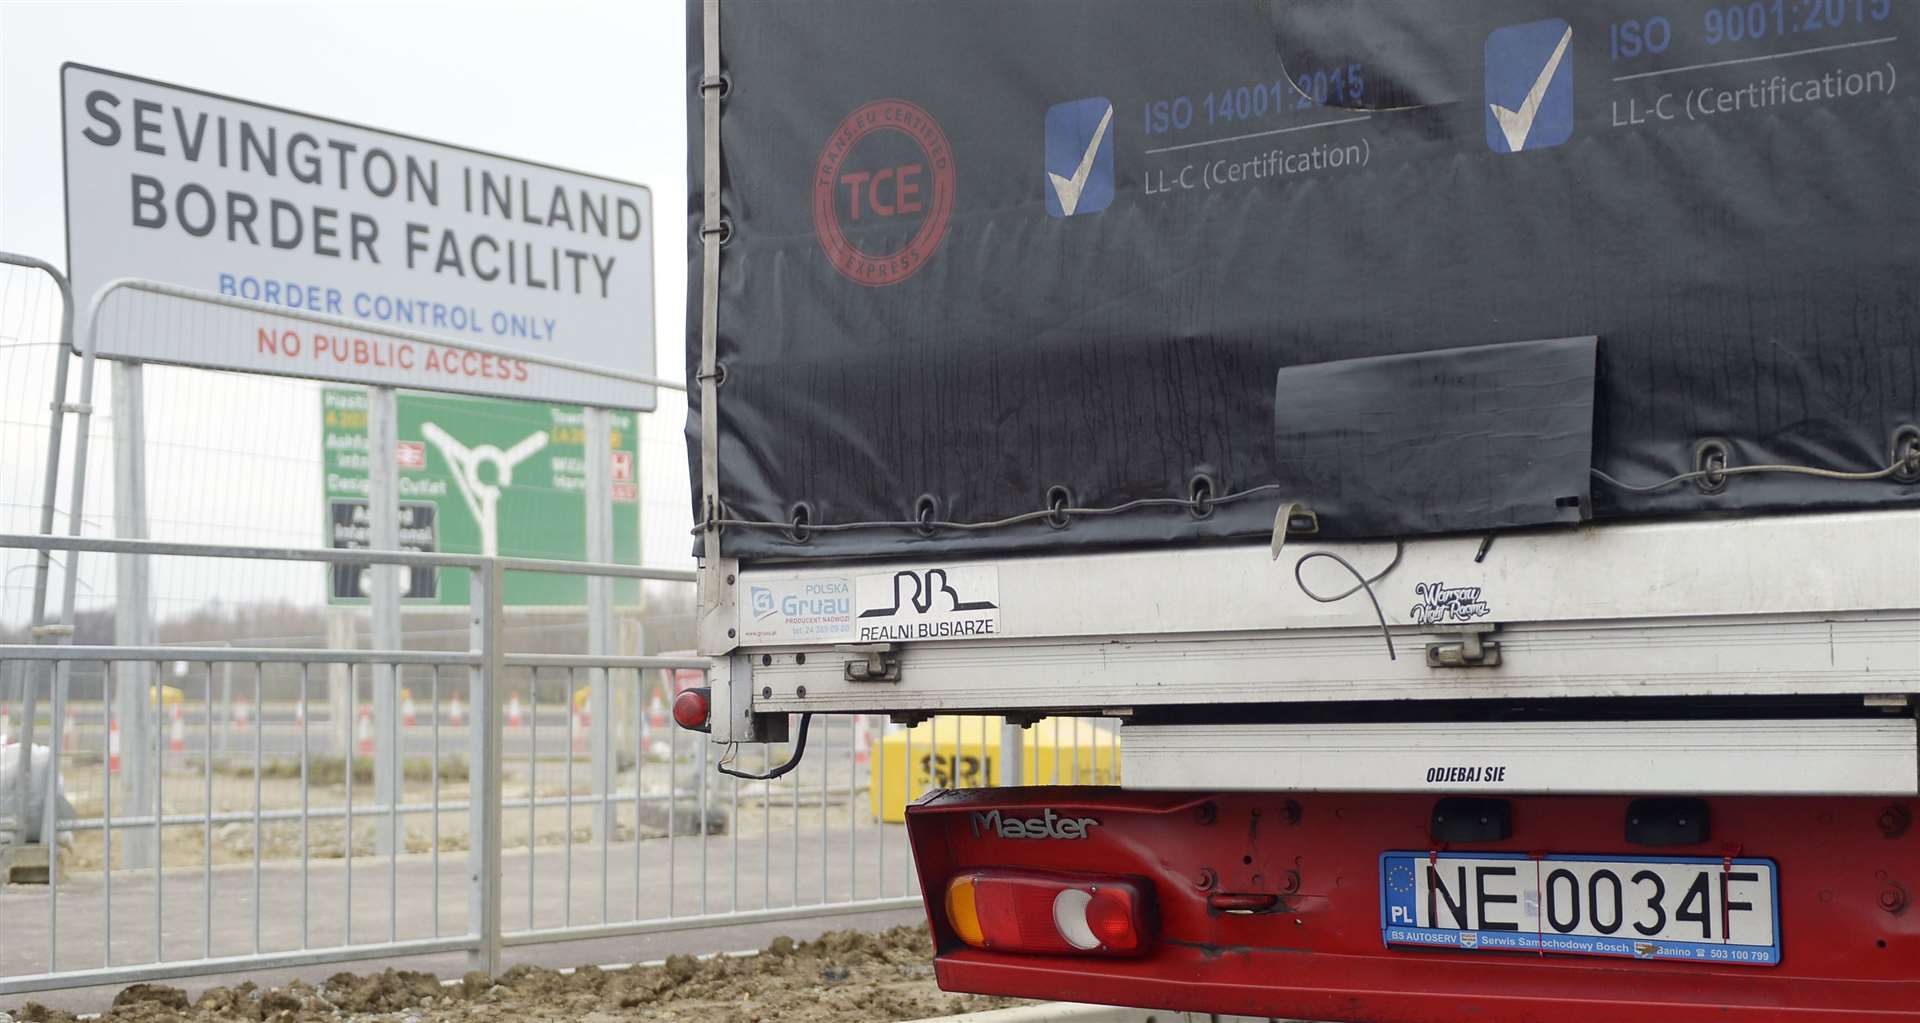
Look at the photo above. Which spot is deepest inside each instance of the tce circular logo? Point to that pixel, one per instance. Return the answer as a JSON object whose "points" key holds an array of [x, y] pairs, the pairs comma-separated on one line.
{"points": [[883, 192]]}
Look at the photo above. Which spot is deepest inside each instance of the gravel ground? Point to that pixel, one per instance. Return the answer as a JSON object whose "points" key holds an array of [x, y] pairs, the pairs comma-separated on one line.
{"points": [[844, 977]]}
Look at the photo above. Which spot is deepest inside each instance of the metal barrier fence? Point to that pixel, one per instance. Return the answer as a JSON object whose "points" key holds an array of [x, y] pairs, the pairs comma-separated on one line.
{"points": [[506, 831]]}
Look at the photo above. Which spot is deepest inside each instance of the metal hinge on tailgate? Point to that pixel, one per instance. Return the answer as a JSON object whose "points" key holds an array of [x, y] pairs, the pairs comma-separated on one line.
{"points": [[878, 662], [1472, 650]]}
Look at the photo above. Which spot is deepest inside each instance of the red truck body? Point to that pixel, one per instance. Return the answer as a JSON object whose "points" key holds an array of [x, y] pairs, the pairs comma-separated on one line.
{"points": [[1311, 948]]}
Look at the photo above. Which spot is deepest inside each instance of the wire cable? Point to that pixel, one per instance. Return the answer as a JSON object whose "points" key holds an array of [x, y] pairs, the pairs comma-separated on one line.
{"points": [[725, 766], [1362, 582], [1746, 470]]}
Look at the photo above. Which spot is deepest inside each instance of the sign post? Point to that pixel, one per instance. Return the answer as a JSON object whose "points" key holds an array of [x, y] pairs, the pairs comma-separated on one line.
{"points": [[383, 506], [599, 527], [133, 609], [340, 683]]}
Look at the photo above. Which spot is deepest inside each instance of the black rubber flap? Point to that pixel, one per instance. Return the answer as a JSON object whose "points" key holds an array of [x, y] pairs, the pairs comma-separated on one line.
{"points": [[1446, 441]]}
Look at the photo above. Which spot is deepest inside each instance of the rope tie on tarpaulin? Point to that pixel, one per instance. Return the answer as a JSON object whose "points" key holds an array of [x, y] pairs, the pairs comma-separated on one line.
{"points": [[1303, 520], [1906, 465]]}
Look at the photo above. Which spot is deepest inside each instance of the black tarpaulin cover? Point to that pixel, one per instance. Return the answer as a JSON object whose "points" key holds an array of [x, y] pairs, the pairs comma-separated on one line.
{"points": [[987, 255]]}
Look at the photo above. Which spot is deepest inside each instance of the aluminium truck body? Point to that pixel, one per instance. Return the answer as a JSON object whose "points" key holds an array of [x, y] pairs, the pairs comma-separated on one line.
{"points": [[1474, 450]]}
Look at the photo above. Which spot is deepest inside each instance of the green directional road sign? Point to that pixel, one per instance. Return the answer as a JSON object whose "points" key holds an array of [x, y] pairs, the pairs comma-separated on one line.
{"points": [[479, 476]]}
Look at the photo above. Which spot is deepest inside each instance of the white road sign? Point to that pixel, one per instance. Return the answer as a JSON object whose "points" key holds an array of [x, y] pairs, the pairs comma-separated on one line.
{"points": [[324, 217]]}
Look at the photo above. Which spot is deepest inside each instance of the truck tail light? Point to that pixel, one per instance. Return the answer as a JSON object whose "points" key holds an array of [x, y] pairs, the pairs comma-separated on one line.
{"points": [[692, 708], [1050, 914]]}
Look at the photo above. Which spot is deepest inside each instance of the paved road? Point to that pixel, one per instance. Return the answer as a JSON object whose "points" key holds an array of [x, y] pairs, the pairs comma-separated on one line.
{"points": [[773, 870]]}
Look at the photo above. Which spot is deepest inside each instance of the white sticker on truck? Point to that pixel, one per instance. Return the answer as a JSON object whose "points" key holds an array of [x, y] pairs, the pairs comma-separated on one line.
{"points": [[811, 610], [962, 602]]}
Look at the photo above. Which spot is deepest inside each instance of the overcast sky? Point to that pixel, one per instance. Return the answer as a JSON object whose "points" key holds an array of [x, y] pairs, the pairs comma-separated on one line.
{"points": [[590, 86]]}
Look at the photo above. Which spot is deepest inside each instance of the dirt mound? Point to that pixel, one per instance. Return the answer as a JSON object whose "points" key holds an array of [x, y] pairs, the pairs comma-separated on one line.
{"points": [[843, 977], [387, 991], [157, 996]]}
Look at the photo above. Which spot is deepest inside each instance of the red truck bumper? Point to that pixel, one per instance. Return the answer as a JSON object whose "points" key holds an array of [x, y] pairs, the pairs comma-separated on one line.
{"points": [[1849, 941]]}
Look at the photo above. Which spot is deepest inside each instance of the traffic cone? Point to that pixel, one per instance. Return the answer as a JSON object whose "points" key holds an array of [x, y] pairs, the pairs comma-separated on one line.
{"points": [[71, 730], [456, 715], [242, 713], [365, 731], [514, 720], [6, 725], [406, 710], [862, 739], [656, 712], [580, 731], [113, 746], [177, 733]]}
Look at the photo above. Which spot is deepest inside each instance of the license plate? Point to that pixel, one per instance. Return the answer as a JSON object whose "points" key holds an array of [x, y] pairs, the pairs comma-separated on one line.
{"points": [[1679, 908]]}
